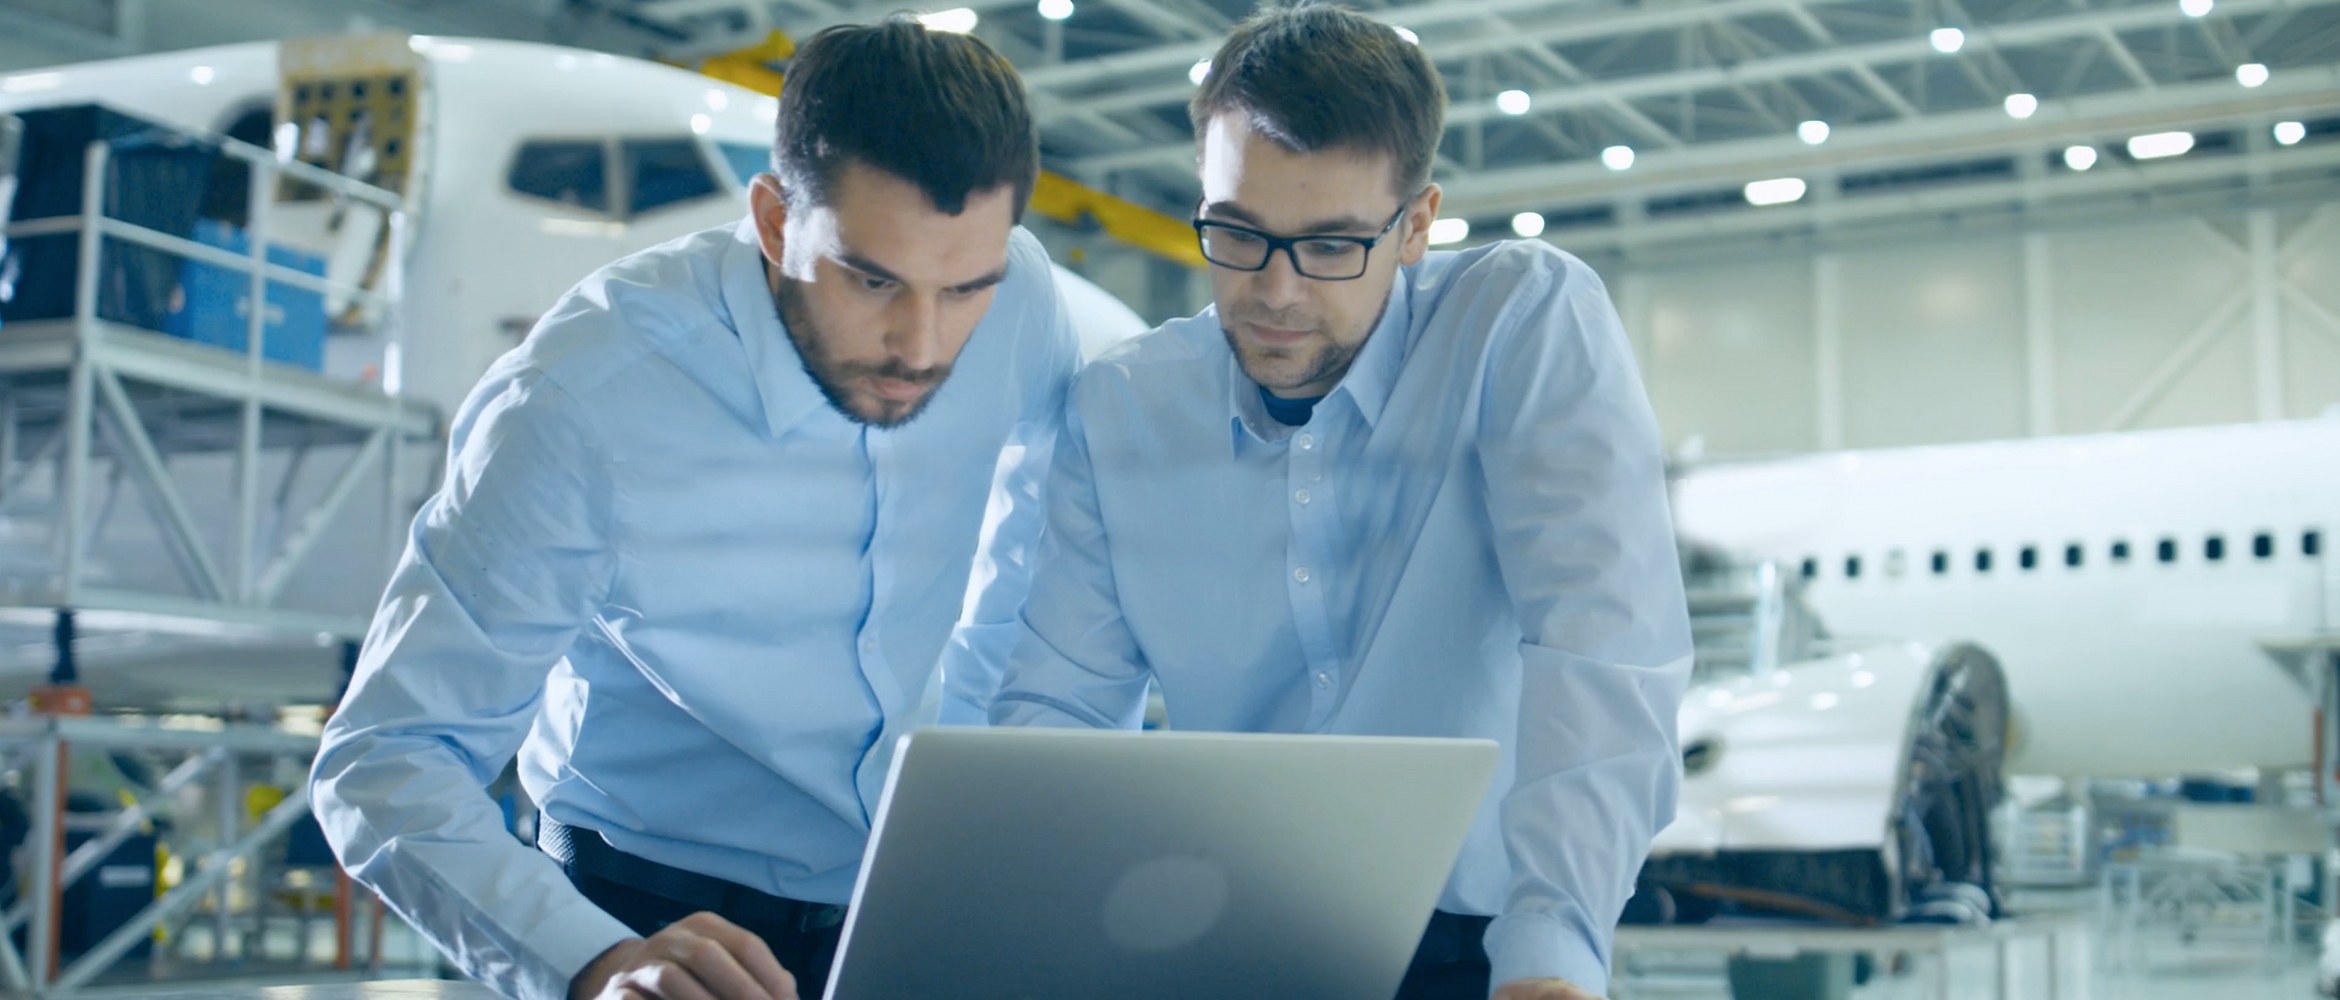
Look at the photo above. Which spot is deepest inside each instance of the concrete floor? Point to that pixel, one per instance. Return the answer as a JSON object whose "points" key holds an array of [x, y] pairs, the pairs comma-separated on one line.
{"points": [[2234, 963], [2160, 966]]}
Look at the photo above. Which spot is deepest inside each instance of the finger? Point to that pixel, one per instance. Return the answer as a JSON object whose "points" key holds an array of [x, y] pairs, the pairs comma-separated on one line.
{"points": [[665, 979], [753, 954], [707, 950]]}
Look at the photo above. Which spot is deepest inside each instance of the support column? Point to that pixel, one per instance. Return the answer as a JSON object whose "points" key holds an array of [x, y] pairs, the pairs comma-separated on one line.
{"points": [[2039, 335], [1828, 352], [2266, 316]]}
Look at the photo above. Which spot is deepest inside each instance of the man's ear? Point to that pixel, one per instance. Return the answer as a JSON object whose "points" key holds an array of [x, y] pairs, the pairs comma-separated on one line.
{"points": [[768, 206], [1416, 227]]}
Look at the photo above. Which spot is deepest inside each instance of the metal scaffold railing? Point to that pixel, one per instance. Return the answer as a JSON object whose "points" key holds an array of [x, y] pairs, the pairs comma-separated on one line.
{"points": [[91, 403]]}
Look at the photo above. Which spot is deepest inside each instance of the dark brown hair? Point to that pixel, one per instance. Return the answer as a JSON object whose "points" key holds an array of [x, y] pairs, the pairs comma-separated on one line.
{"points": [[1314, 77], [939, 109]]}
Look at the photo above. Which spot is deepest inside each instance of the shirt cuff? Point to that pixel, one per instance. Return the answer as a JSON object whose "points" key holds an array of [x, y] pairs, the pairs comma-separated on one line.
{"points": [[564, 944], [1541, 946]]}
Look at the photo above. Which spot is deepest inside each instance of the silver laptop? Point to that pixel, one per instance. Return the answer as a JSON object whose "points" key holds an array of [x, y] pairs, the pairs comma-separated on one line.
{"points": [[1038, 864]]}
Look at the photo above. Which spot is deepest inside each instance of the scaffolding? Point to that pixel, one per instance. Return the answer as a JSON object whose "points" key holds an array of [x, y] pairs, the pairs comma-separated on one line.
{"points": [[88, 395], [92, 407]]}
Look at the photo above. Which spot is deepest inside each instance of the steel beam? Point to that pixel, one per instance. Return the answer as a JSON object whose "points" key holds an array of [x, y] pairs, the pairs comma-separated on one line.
{"points": [[1917, 48]]}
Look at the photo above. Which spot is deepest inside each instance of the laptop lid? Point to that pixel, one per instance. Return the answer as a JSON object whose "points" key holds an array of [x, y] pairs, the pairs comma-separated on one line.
{"points": [[1048, 864]]}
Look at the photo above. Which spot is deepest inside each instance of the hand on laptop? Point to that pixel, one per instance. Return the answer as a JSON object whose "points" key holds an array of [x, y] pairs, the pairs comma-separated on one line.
{"points": [[1542, 989], [700, 957]]}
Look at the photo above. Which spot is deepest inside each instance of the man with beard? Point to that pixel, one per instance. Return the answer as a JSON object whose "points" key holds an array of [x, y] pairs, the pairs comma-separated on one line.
{"points": [[704, 538], [1377, 490]]}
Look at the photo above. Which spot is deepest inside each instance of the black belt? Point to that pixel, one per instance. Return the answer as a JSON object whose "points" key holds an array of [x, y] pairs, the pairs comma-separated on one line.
{"points": [[585, 852]]}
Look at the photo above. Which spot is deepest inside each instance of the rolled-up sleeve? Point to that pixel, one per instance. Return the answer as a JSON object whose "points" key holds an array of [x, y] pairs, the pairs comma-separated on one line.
{"points": [[504, 566], [1576, 495]]}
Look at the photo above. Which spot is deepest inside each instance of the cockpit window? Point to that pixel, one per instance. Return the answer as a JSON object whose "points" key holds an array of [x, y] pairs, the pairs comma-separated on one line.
{"points": [[572, 172], [662, 172]]}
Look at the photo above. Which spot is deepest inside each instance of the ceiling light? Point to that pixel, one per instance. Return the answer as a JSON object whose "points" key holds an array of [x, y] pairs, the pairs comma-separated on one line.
{"points": [[2290, 133], [1777, 191], [1813, 132], [1408, 35], [1056, 10], [1528, 225], [1947, 40], [202, 75], [768, 109], [1199, 70], [1445, 231], [718, 100], [2251, 74], [1617, 157], [701, 123], [2195, 8], [2021, 105], [1512, 102], [2079, 157], [2160, 144], [957, 19]]}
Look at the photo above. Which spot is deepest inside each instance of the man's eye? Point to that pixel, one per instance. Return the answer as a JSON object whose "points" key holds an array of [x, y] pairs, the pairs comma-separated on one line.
{"points": [[1237, 236], [876, 284], [1330, 248]]}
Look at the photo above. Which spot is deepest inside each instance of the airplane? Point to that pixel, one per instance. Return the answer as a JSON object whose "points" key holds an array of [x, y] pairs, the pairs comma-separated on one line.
{"points": [[2126, 581], [523, 166], [1882, 632]]}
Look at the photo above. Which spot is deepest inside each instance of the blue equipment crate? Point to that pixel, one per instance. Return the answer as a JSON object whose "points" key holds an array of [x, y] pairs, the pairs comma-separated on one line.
{"points": [[214, 305]]}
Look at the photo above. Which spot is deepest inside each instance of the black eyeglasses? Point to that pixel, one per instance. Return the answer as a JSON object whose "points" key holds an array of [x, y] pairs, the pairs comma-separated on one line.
{"points": [[1324, 258]]}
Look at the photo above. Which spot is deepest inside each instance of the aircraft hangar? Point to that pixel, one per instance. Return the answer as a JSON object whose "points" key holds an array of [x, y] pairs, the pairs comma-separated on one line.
{"points": [[1804, 499]]}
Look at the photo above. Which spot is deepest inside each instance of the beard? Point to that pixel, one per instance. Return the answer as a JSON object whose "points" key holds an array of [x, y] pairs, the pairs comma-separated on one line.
{"points": [[834, 377], [1322, 358]]}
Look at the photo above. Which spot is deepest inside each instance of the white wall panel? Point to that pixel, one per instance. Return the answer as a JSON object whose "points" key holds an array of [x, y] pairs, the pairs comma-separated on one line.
{"points": [[2311, 366], [2126, 300], [2148, 323], [2218, 387], [1728, 354], [1933, 343]]}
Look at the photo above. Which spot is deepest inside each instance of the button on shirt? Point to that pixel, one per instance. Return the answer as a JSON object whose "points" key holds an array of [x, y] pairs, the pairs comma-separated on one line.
{"points": [[1468, 537], [700, 603]]}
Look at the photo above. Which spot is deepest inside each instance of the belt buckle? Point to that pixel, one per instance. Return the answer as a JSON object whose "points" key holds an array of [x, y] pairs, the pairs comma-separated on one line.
{"points": [[819, 916]]}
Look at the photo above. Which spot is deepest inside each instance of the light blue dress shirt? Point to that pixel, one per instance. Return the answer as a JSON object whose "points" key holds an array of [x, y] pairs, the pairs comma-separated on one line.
{"points": [[698, 602], [1469, 537]]}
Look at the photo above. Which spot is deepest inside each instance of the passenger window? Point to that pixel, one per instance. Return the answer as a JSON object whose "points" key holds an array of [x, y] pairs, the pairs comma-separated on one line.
{"points": [[2311, 544], [2120, 552], [2167, 550], [1941, 562], [1811, 567], [2214, 549], [662, 172], [572, 172], [2263, 545], [2073, 554], [1982, 560], [2029, 558], [1852, 567]]}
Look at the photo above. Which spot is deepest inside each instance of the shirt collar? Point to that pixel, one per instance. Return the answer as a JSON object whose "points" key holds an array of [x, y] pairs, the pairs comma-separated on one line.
{"points": [[1367, 382], [1376, 366], [789, 394]]}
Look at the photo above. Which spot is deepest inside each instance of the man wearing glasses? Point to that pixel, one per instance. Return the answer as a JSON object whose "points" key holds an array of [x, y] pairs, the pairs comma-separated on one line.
{"points": [[1377, 490]]}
